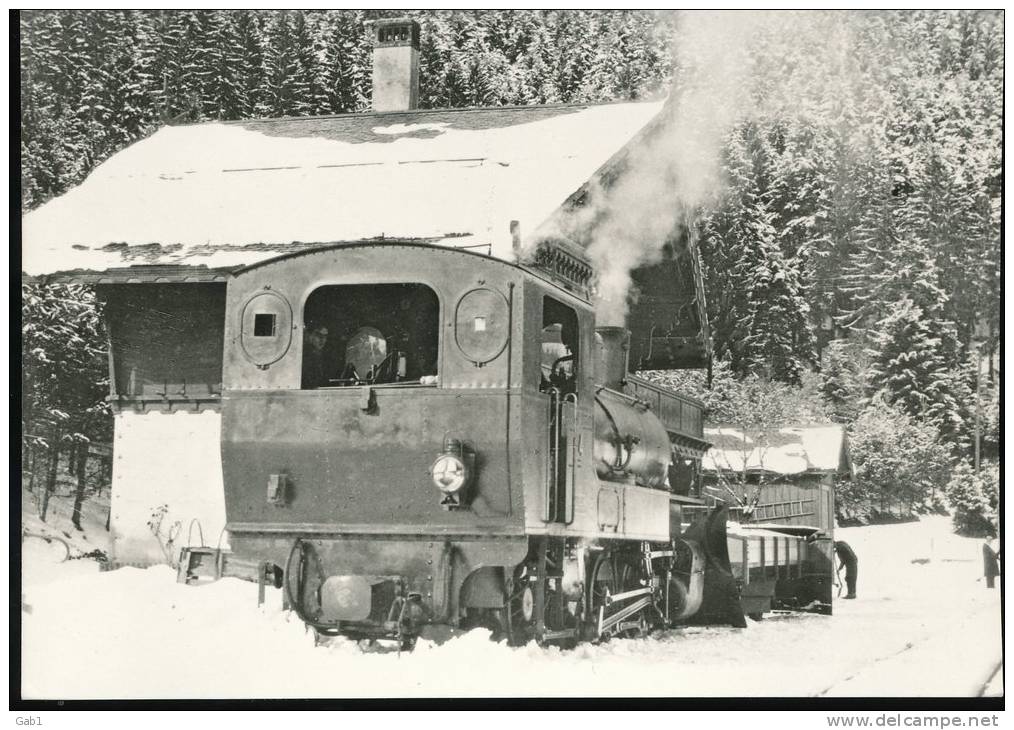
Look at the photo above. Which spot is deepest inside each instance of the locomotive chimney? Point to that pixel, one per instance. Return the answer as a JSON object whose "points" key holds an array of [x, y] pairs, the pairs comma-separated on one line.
{"points": [[395, 64], [612, 346]]}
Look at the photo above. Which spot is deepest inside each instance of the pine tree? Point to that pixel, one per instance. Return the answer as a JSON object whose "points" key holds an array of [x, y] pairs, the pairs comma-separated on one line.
{"points": [[574, 41], [279, 67], [346, 74], [246, 61], [114, 102], [308, 91], [637, 59], [780, 342], [203, 32], [597, 83], [909, 365], [537, 79], [841, 385], [951, 216], [226, 89], [185, 65], [37, 173], [481, 67], [438, 84]]}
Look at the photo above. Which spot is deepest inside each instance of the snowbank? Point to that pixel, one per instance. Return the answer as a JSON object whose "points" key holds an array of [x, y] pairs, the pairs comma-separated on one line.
{"points": [[918, 629], [42, 561]]}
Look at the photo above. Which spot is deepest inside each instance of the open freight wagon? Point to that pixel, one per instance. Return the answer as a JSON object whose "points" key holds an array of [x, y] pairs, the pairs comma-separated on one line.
{"points": [[781, 567]]}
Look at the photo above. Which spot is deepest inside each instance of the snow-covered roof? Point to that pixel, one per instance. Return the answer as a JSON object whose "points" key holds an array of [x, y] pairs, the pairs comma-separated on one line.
{"points": [[223, 195], [789, 450]]}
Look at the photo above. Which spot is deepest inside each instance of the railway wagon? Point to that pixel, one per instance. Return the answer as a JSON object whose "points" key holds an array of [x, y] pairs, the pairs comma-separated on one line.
{"points": [[781, 567]]}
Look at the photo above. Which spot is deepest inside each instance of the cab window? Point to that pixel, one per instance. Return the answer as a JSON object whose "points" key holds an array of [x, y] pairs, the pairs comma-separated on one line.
{"points": [[370, 334], [559, 363]]}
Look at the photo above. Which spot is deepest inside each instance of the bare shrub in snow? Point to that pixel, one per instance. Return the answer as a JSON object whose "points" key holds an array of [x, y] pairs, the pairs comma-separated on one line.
{"points": [[166, 533]]}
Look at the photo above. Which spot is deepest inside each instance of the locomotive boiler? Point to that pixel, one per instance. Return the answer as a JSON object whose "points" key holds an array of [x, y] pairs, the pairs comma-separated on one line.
{"points": [[630, 441], [416, 438]]}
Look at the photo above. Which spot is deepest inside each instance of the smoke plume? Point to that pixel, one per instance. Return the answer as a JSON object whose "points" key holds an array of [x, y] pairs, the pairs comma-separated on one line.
{"points": [[674, 175]]}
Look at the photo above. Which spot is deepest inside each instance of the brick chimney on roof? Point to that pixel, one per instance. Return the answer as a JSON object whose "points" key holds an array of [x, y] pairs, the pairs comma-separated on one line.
{"points": [[395, 65]]}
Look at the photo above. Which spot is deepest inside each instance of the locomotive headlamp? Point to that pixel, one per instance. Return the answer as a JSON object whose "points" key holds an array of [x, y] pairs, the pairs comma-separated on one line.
{"points": [[451, 472]]}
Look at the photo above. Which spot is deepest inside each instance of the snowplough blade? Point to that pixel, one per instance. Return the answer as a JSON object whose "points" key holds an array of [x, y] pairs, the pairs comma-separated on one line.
{"points": [[721, 592]]}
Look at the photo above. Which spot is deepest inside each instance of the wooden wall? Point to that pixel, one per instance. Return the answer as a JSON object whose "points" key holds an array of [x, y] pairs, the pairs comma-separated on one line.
{"points": [[807, 499], [166, 340]]}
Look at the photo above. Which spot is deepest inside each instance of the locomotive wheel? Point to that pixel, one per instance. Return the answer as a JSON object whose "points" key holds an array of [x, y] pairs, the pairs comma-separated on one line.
{"points": [[519, 617], [610, 574], [679, 595]]}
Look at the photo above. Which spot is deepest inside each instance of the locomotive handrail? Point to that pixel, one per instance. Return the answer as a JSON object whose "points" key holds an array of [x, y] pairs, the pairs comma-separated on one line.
{"points": [[377, 386], [553, 453], [507, 397], [571, 465]]}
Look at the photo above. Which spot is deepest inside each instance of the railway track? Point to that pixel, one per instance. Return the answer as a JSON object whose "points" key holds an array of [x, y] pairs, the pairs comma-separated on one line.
{"points": [[996, 670], [972, 673], [849, 677]]}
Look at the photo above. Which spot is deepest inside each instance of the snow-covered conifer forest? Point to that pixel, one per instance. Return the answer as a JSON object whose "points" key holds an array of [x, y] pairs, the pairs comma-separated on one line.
{"points": [[850, 253]]}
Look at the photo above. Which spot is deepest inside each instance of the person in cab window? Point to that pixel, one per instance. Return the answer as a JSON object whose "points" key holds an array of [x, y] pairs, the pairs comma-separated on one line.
{"points": [[564, 375], [314, 366], [554, 354]]}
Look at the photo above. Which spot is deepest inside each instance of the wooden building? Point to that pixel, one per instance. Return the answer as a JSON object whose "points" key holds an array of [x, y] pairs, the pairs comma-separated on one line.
{"points": [[783, 477], [162, 228]]}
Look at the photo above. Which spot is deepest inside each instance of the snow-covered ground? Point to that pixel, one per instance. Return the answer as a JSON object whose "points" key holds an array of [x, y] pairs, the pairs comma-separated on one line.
{"points": [[43, 561], [924, 625]]}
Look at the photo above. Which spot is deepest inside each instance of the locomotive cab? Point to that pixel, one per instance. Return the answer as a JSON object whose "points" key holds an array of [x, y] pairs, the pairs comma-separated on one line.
{"points": [[367, 430]]}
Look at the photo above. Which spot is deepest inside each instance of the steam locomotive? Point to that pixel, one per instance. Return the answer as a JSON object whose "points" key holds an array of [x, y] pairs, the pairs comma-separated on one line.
{"points": [[417, 437]]}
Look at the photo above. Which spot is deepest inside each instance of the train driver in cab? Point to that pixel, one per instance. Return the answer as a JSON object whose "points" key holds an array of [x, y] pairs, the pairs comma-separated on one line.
{"points": [[558, 359], [315, 371]]}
